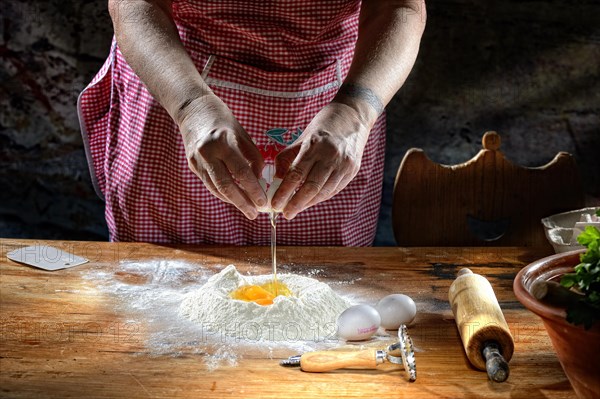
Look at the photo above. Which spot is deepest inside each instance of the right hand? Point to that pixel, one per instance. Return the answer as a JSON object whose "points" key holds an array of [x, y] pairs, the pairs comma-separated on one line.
{"points": [[222, 154]]}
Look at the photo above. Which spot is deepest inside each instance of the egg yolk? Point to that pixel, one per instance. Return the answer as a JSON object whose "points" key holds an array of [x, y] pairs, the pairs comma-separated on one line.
{"points": [[261, 294]]}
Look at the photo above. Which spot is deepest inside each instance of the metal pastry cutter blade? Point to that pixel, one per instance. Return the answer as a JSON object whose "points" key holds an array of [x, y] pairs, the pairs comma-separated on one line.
{"points": [[407, 353]]}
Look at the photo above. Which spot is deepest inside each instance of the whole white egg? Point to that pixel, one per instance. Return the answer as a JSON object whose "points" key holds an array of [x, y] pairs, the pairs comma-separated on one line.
{"points": [[396, 309], [358, 323]]}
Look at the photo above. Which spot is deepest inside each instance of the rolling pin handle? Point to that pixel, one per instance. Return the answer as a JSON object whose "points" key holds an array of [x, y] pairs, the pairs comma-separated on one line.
{"points": [[495, 364]]}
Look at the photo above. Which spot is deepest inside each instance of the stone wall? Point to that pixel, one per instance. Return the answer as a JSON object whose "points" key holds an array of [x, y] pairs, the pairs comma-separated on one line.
{"points": [[530, 70]]}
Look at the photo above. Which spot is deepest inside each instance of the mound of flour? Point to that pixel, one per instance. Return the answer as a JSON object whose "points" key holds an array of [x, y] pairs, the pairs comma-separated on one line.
{"points": [[309, 315]]}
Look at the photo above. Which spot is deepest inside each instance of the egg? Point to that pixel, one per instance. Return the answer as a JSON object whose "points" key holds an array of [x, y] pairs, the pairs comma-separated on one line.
{"points": [[358, 323], [396, 309]]}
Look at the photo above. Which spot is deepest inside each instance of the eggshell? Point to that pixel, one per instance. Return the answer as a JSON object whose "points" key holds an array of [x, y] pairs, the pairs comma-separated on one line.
{"points": [[270, 192], [396, 309], [358, 323], [273, 188]]}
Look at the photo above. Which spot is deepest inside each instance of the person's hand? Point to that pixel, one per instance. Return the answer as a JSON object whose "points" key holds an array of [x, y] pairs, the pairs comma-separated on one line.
{"points": [[222, 154], [322, 161]]}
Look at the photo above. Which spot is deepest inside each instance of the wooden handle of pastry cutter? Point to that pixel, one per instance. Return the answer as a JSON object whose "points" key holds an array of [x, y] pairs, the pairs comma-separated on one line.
{"points": [[482, 327], [321, 361]]}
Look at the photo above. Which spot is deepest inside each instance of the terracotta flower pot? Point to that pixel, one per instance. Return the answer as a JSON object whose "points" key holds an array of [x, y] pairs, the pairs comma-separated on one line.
{"points": [[577, 349]]}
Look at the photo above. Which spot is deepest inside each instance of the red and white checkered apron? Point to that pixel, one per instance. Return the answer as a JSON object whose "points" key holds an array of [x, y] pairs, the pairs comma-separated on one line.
{"points": [[275, 64]]}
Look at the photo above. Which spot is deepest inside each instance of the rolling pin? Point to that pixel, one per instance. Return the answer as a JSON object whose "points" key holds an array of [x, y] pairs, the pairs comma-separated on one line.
{"points": [[482, 327]]}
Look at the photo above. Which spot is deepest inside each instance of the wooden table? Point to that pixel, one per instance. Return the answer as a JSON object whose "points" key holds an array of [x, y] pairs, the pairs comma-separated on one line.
{"points": [[58, 338]]}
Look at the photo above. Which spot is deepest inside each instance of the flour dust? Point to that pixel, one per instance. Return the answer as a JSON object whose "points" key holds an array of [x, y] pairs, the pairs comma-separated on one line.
{"points": [[164, 298]]}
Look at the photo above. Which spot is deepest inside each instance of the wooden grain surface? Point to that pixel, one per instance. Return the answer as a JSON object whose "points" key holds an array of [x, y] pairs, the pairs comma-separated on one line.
{"points": [[482, 199], [58, 338]]}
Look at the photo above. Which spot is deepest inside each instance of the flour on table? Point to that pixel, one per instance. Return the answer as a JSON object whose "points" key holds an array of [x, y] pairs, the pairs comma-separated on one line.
{"points": [[309, 315]]}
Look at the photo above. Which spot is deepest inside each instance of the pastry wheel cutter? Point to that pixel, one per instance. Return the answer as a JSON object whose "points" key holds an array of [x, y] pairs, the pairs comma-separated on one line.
{"points": [[401, 352]]}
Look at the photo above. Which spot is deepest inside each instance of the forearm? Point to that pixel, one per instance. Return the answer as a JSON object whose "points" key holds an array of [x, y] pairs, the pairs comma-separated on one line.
{"points": [[149, 41], [386, 50]]}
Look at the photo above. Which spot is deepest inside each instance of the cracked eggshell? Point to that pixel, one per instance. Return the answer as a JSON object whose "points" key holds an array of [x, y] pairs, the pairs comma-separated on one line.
{"points": [[270, 192]]}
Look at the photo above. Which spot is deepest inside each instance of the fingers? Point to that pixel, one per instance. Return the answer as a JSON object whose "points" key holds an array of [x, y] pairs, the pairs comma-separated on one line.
{"points": [[293, 178], [242, 171], [315, 184], [223, 182], [229, 166], [329, 189], [344, 182], [252, 155], [285, 159], [213, 190], [203, 175]]}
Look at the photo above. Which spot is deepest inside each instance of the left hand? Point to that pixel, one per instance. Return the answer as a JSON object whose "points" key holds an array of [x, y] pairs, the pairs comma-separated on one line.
{"points": [[322, 161]]}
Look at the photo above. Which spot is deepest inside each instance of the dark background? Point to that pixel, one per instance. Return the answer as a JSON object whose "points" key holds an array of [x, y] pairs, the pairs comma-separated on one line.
{"points": [[527, 69]]}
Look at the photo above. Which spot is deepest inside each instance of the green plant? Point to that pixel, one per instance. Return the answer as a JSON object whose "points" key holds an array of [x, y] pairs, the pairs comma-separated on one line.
{"points": [[586, 281]]}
